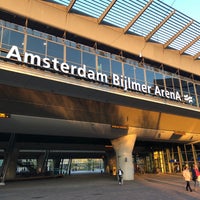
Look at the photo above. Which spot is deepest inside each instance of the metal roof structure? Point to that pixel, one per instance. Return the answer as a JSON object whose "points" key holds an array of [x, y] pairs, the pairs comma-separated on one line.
{"points": [[154, 20]]}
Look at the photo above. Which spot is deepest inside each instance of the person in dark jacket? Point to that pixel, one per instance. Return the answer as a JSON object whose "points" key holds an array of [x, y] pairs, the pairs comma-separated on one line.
{"points": [[120, 176], [195, 174]]}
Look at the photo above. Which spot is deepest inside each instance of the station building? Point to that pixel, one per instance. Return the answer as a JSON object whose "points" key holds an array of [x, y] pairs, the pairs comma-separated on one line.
{"points": [[114, 80]]}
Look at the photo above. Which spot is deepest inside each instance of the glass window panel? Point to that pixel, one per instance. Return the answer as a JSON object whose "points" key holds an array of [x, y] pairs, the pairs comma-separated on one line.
{"points": [[191, 88], [188, 89], [36, 45], [159, 80], [89, 60], [104, 65], [0, 35], [70, 43], [116, 67], [198, 89], [129, 71], [194, 101], [192, 93], [55, 50], [184, 86], [11, 38], [139, 72], [150, 77], [73, 56], [169, 83], [13, 26], [176, 84], [198, 93]]}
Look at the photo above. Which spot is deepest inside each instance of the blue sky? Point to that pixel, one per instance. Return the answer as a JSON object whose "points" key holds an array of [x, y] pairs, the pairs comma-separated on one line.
{"points": [[189, 7]]}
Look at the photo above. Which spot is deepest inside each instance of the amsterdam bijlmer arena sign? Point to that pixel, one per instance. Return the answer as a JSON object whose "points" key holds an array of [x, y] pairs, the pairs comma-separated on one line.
{"points": [[121, 81]]}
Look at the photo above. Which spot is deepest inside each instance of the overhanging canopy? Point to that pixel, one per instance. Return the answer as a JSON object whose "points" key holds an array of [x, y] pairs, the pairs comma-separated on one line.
{"points": [[154, 20]]}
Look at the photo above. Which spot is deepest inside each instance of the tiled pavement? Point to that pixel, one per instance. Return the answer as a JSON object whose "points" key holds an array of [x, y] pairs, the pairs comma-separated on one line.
{"points": [[100, 187]]}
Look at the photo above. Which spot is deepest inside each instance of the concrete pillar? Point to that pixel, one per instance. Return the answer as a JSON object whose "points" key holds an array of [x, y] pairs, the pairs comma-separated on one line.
{"points": [[169, 159], [69, 166], [11, 170], [40, 163], [123, 147], [56, 165]]}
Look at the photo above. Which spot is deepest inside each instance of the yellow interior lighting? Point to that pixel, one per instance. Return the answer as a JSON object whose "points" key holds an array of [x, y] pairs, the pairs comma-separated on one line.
{"points": [[4, 115]]}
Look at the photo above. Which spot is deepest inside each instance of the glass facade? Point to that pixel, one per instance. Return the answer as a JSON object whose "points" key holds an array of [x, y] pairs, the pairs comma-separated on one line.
{"points": [[171, 159], [50, 46]]}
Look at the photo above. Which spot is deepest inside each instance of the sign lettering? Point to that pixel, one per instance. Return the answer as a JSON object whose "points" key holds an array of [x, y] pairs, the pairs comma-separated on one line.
{"points": [[116, 80]]}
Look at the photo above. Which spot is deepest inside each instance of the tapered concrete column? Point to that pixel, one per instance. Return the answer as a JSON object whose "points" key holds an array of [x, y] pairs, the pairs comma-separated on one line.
{"points": [[123, 147], [40, 163], [11, 170]]}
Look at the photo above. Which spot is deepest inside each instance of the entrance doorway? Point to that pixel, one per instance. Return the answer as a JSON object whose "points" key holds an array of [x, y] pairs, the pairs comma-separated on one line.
{"points": [[150, 157]]}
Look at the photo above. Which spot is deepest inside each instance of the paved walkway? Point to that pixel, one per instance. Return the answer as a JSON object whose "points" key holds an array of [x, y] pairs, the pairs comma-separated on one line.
{"points": [[100, 187]]}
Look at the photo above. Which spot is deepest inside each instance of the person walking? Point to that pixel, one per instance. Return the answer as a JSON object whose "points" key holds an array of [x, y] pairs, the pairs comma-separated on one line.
{"points": [[120, 176], [195, 176], [187, 176]]}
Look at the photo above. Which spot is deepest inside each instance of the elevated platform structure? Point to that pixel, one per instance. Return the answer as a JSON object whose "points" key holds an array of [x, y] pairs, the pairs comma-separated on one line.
{"points": [[70, 69]]}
